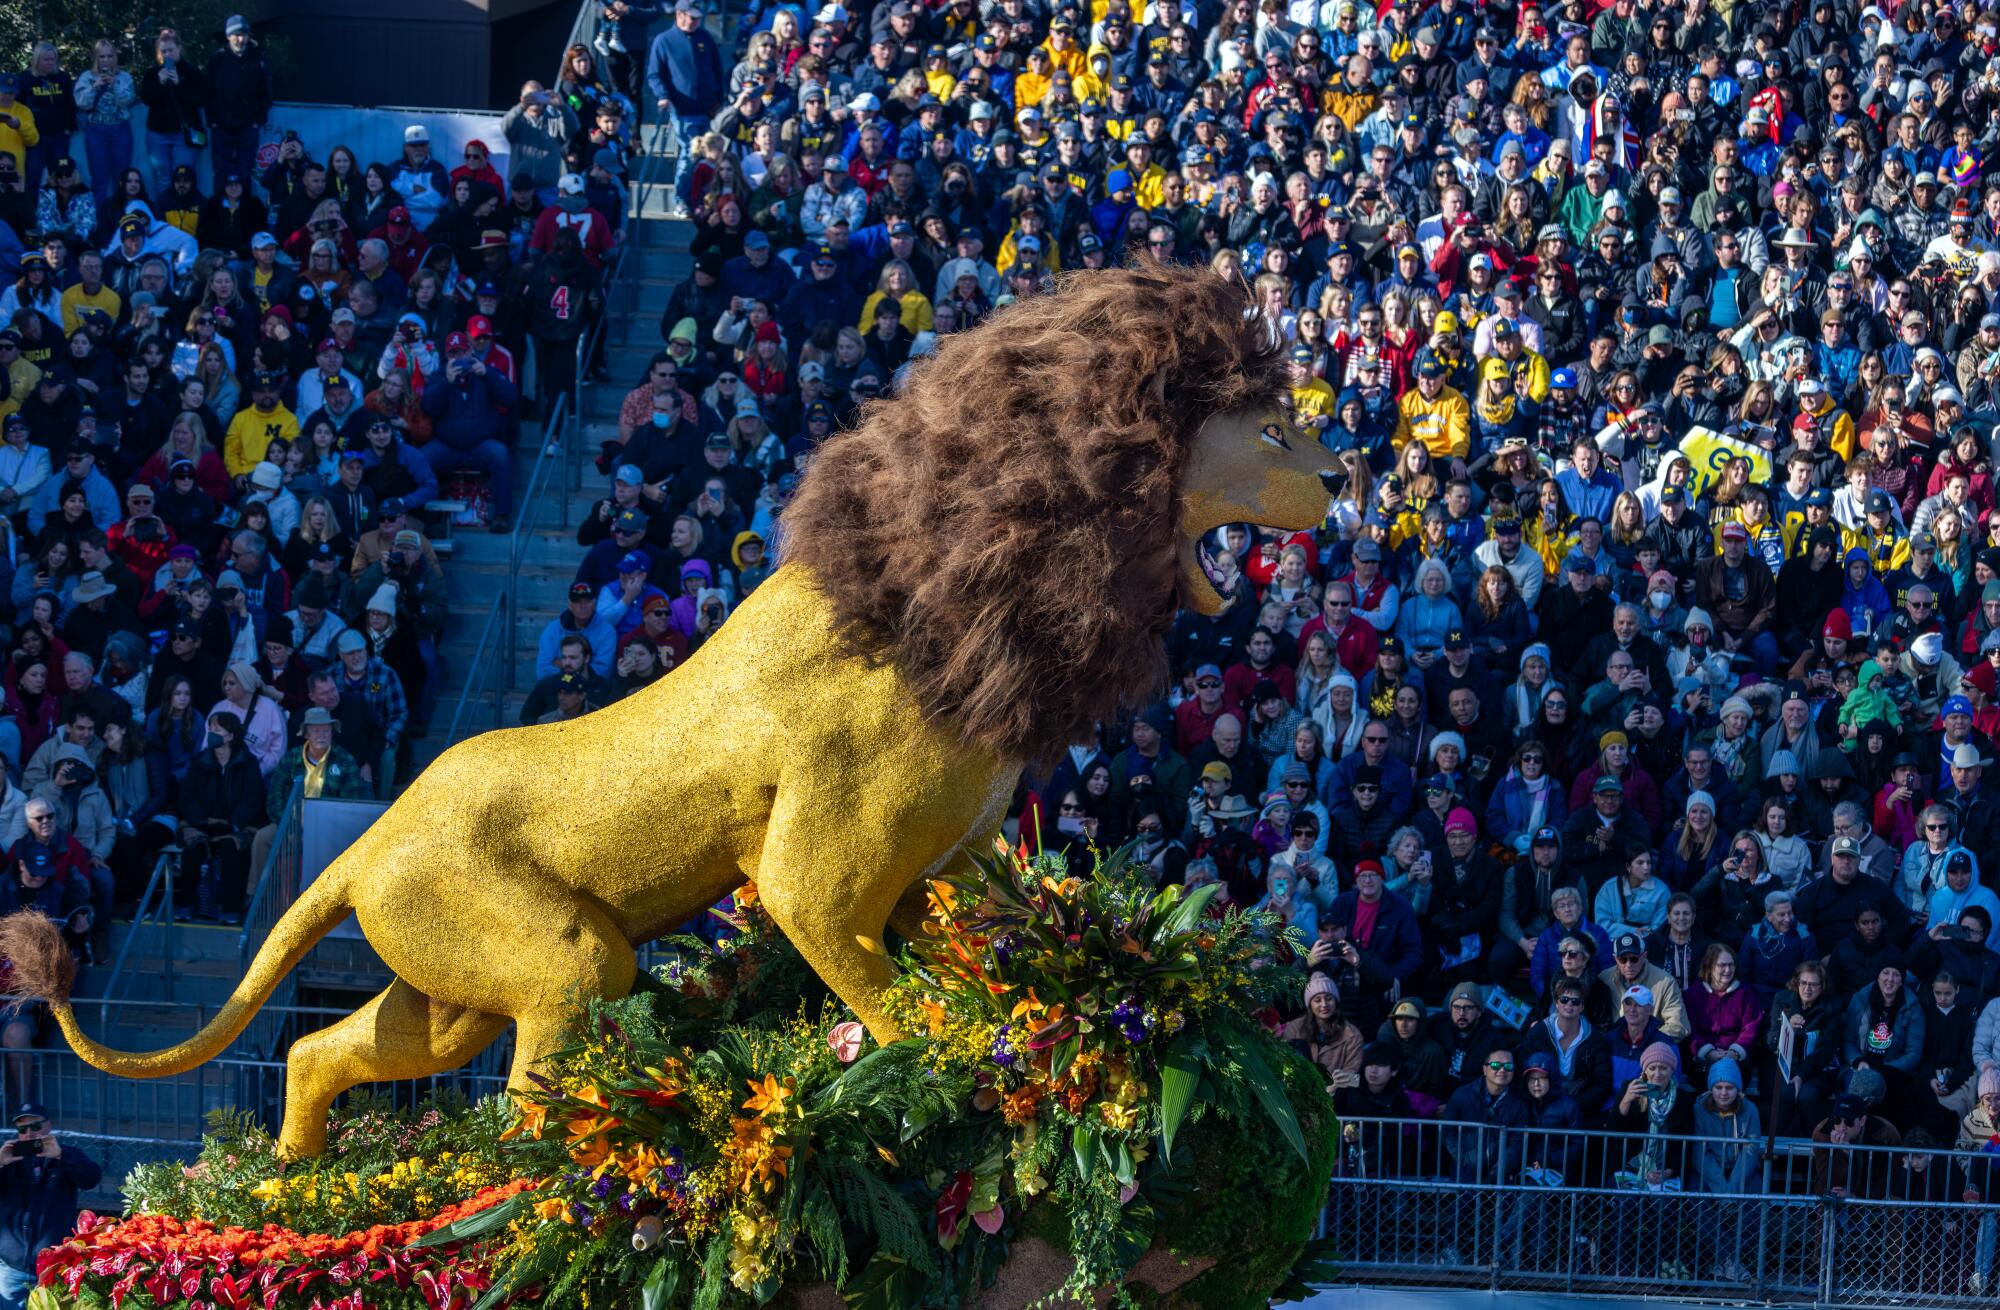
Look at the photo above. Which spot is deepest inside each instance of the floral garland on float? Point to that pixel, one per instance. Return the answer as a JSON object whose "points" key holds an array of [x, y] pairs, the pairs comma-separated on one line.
{"points": [[1086, 1102]]}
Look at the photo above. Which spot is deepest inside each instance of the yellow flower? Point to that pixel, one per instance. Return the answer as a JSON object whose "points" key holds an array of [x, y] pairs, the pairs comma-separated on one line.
{"points": [[1117, 1116], [269, 1191]]}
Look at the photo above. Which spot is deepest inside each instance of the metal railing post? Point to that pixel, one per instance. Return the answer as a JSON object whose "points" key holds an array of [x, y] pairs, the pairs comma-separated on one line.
{"points": [[171, 929], [1829, 1221]]}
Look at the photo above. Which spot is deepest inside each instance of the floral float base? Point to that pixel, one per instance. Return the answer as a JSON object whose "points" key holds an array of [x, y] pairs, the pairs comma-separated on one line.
{"points": [[1086, 1112]]}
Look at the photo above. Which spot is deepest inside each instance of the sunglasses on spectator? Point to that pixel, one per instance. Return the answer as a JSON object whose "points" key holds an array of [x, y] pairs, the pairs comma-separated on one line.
{"points": [[1069, 808], [1571, 951], [1570, 1000], [1500, 1066], [1209, 682]]}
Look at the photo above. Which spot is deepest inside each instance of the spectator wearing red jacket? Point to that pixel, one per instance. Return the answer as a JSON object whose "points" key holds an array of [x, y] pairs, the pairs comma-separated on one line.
{"points": [[407, 246], [1194, 718], [478, 167], [573, 212]]}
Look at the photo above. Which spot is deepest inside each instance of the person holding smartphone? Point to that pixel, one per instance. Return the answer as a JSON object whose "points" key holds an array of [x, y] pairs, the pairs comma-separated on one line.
{"points": [[40, 1179]]}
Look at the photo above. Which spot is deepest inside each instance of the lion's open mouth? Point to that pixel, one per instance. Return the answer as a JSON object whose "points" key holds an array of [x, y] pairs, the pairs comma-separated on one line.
{"points": [[1198, 593]]}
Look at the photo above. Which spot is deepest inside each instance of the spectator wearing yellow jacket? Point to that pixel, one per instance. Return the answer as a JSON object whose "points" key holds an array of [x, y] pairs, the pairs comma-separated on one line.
{"points": [[1436, 414], [17, 124], [1031, 84], [1094, 82], [1312, 398], [1064, 52]]}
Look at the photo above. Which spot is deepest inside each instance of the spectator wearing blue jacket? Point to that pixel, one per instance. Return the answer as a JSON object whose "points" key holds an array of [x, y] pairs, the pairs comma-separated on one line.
{"points": [[1775, 946], [472, 409], [1428, 612], [757, 274], [1588, 488], [79, 466], [1381, 941], [394, 469], [684, 73], [1398, 782], [1862, 594], [1566, 905], [622, 603], [39, 1182], [583, 620]]}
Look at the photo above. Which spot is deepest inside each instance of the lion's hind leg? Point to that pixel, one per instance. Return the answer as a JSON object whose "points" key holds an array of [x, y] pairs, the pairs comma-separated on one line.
{"points": [[401, 1033]]}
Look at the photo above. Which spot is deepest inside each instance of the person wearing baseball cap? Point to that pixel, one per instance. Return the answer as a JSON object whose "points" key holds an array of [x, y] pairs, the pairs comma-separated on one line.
{"points": [[41, 1177], [1740, 593], [1630, 968], [257, 425], [1195, 717], [472, 409], [486, 347], [578, 618]]}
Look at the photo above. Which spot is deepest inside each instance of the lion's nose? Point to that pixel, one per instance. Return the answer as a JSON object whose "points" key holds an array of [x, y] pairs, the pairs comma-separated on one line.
{"points": [[1332, 480]]}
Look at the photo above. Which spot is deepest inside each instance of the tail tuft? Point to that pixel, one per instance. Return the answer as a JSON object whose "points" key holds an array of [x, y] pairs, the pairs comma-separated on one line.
{"points": [[39, 965]]}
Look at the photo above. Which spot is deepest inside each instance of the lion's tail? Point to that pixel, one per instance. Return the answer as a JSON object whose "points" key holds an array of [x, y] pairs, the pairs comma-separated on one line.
{"points": [[42, 968]]}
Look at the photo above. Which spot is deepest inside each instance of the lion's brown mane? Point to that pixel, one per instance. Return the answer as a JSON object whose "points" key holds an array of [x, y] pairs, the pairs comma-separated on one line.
{"points": [[1004, 531]]}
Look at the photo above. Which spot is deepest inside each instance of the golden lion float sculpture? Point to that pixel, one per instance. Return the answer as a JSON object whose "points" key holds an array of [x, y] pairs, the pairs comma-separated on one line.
{"points": [[985, 566]]}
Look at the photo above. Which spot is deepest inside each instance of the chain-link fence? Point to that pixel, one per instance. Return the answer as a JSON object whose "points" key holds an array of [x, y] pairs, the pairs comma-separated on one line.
{"points": [[1419, 1203]]}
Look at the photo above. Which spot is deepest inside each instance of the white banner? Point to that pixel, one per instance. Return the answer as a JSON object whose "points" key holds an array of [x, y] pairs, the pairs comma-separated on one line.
{"points": [[329, 827], [374, 135]]}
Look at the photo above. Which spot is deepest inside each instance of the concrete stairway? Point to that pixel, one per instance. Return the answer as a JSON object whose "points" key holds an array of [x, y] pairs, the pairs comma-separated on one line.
{"points": [[478, 569]]}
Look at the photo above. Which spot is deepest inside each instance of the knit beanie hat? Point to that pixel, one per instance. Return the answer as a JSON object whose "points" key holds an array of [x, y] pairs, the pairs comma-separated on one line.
{"points": [[1869, 1087], [1658, 1053], [1724, 1070]]}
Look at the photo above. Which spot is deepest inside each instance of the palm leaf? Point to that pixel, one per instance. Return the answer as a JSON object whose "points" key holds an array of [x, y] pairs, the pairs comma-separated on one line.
{"points": [[477, 1225], [1180, 1074], [1266, 1087]]}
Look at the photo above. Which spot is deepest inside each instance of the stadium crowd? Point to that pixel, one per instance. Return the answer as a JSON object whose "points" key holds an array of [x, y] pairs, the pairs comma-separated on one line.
{"points": [[1620, 747], [243, 376]]}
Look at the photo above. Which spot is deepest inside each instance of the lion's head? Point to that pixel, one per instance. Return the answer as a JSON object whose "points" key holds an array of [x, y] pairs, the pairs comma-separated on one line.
{"points": [[1016, 530]]}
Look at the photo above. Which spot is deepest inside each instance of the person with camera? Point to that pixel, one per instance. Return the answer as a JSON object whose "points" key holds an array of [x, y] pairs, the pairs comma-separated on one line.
{"points": [[536, 127], [472, 409], [40, 1179]]}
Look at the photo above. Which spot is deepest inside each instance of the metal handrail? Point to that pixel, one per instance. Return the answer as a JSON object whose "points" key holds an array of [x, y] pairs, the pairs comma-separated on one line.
{"points": [[160, 885], [562, 428], [288, 830], [484, 657]]}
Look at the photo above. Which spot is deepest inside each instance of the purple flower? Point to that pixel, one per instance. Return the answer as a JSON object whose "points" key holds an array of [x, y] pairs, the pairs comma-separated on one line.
{"points": [[580, 1212], [601, 1188], [1004, 947], [1131, 1018], [1003, 1046], [624, 1203]]}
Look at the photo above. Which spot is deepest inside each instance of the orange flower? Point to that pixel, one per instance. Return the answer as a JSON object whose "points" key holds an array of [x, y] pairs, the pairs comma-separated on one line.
{"points": [[1020, 1107], [534, 1117], [768, 1101]]}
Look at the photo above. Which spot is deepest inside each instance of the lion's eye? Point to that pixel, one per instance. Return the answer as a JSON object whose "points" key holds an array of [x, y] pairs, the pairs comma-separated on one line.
{"points": [[1275, 436]]}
